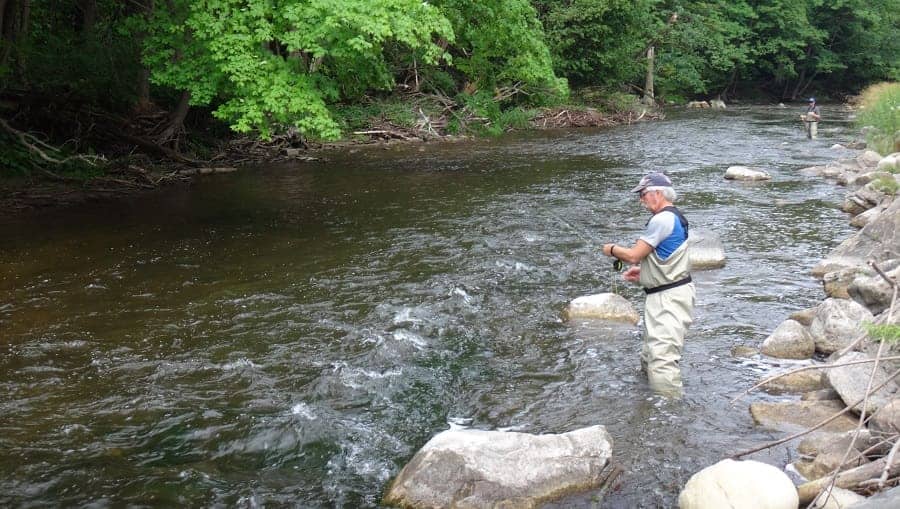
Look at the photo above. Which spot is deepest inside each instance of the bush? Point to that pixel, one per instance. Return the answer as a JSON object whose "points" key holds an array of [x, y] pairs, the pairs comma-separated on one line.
{"points": [[887, 185], [879, 107]]}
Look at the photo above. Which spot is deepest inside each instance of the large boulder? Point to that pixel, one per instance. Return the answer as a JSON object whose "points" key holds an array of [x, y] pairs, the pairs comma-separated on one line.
{"points": [[887, 419], [603, 306], [790, 340], [706, 250], [869, 158], [851, 381], [739, 485], [745, 173], [489, 469], [717, 104], [698, 104], [837, 323], [879, 240]]}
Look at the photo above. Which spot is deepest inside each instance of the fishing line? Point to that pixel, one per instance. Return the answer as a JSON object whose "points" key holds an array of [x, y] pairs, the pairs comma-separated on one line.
{"points": [[617, 264]]}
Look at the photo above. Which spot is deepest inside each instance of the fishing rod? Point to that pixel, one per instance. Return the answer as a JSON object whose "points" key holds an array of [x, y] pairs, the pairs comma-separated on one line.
{"points": [[617, 264]]}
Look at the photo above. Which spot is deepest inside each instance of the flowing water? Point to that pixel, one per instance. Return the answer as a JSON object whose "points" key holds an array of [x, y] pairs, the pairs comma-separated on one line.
{"points": [[291, 335]]}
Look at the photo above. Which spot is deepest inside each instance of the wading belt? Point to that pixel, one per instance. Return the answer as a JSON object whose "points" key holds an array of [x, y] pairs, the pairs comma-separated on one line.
{"points": [[667, 286]]}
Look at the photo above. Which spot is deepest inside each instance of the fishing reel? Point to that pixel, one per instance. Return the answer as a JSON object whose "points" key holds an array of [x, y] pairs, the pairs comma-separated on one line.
{"points": [[618, 265]]}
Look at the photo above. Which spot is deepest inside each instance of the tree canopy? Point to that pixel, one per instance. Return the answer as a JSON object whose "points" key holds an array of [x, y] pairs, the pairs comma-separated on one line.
{"points": [[266, 66]]}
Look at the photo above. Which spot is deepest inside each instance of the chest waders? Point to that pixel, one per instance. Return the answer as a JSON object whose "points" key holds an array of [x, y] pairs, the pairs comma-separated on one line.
{"points": [[812, 126], [668, 312]]}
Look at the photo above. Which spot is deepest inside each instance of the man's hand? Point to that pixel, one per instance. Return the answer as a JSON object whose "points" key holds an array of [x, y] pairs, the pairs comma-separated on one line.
{"points": [[633, 274]]}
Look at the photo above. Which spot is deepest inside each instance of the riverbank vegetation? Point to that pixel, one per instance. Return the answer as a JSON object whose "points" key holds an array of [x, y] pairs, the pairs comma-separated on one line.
{"points": [[879, 109], [102, 89]]}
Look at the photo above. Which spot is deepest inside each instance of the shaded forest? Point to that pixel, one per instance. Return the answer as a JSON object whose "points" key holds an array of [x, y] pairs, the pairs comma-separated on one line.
{"points": [[86, 84]]}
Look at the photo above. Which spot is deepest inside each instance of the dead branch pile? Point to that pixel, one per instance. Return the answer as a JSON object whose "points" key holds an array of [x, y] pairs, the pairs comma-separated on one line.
{"points": [[590, 117]]}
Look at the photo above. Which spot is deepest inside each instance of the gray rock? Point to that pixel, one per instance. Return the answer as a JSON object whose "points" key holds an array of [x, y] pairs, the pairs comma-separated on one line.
{"points": [[797, 383], [801, 415], [790, 340], [887, 418], [837, 323], [864, 218], [804, 316], [717, 104], [869, 158], [603, 306], [820, 395], [829, 458], [744, 351], [486, 469], [871, 290], [706, 250], [884, 500], [836, 283], [878, 240], [851, 381], [837, 498]]}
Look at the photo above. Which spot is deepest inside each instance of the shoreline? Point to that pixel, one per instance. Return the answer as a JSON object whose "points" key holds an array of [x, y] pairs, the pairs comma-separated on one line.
{"points": [[44, 190]]}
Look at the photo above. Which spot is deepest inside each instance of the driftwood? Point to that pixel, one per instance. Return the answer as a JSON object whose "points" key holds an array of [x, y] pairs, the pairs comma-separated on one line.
{"points": [[855, 478]]}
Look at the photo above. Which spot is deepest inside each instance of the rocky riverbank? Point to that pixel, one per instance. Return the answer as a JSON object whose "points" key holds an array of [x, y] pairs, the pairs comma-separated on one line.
{"points": [[848, 415]]}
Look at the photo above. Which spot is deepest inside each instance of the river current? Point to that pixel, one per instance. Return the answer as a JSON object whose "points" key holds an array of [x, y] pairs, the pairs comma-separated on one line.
{"points": [[291, 335]]}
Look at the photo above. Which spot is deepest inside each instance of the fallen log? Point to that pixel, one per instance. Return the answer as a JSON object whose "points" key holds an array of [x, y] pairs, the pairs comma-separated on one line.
{"points": [[206, 171]]}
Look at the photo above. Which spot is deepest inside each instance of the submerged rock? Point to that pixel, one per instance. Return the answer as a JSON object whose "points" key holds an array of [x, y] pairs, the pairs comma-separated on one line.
{"points": [[475, 469], [739, 485], [603, 306], [797, 415]]}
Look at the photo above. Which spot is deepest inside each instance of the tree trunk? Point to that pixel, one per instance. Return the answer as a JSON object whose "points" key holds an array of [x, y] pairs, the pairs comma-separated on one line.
{"points": [[176, 121], [14, 25], [143, 85], [649, 98], [88, 14]]}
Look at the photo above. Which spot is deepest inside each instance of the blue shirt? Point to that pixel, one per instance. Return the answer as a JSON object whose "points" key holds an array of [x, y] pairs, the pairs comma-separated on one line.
{"points": [[665, 233]]}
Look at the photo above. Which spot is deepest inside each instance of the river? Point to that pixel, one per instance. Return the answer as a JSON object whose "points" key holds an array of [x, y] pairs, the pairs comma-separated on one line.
{"points": [[291, 335]]}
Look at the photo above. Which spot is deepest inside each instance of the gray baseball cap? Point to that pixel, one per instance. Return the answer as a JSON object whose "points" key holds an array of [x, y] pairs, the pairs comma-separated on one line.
{"points": [[654, 179]]}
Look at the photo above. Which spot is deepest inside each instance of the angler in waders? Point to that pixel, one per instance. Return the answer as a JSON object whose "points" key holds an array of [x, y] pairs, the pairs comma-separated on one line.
{"points": [[811, 118], [660, 264]]}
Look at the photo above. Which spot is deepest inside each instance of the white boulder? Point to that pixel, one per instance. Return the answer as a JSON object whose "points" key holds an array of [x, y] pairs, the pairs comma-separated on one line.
{"points": [[745, 173], [739, 485], [603, 306]]}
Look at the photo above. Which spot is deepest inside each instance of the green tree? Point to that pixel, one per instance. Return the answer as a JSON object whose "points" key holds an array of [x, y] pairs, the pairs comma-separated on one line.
{"points": [[598, 42], [500, 43], [271, 64], [705, 47]]}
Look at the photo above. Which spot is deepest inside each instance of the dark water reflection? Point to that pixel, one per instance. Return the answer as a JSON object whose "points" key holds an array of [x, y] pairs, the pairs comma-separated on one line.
{"points": [[292, 335]]}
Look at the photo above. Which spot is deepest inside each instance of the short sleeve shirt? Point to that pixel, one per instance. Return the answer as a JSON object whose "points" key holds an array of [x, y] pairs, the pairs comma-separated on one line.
{"points": [[665, 233]]}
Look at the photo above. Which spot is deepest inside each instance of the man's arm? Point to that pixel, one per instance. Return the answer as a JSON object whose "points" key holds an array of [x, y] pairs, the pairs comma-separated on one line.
{"points": [[632, 255]]}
